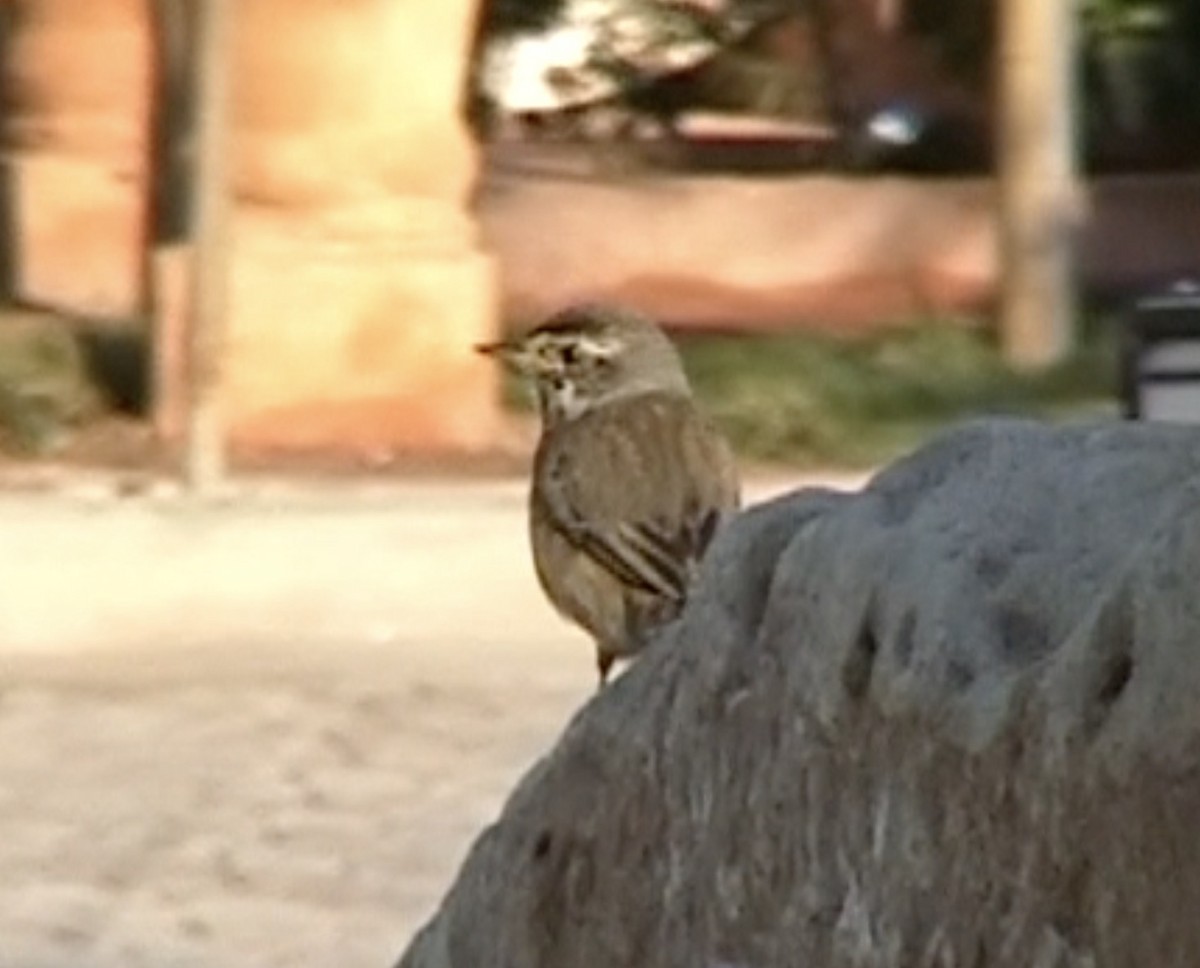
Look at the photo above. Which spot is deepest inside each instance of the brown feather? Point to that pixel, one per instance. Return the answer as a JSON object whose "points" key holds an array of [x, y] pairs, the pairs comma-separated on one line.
{"points": [[618, 559]]}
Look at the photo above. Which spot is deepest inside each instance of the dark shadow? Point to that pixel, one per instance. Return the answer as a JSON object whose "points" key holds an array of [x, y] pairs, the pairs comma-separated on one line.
{"points": [[172, 112], [113, 357], [725, 156], [118, 365]]}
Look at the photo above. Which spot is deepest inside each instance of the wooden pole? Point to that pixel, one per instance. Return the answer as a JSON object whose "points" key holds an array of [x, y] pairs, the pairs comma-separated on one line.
{"points": [[205, 453], [168, 230], [1038, 194]]}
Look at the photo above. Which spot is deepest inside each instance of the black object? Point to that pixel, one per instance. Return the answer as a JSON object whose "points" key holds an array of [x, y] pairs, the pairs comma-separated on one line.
{"points": [[1160, 361]]}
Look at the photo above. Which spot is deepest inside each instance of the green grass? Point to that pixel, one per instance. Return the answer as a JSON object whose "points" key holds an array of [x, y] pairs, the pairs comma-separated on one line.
{"points": [[794, 398], [818, 400], [46, 388]]}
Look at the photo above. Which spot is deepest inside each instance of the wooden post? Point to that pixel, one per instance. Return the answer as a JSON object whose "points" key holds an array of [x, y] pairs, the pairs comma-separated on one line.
{"points": [[171, 164], [1038, 196], [205, 454]]}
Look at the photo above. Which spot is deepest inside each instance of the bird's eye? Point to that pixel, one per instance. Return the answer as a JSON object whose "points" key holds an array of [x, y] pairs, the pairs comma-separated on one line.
{"points": [[570, 355]]}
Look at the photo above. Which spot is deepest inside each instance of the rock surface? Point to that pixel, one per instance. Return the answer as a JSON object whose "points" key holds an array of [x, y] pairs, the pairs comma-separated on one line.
{"points": [[948, 721]]}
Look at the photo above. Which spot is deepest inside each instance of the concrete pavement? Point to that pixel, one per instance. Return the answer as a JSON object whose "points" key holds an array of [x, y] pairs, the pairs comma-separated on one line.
{"points": [[262, 731]]}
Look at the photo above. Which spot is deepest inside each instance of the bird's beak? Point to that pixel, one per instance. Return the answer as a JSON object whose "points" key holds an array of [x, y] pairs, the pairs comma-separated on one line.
{"points": [[490, 349], [513, 354]]}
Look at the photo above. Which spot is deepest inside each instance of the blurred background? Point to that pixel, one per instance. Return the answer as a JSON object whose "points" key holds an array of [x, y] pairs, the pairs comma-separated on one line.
{"points": [[249, 244], [863, 218]]}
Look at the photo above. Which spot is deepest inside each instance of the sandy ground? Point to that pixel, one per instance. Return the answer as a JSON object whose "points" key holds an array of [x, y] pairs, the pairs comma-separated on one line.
{"points": [[263, 731]]}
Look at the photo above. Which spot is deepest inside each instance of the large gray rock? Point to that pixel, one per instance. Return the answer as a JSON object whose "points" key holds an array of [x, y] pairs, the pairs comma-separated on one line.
{"points": [[953, 720]]}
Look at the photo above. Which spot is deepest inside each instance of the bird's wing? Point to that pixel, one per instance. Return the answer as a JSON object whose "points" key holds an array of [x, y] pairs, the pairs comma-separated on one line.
{"points": [[639, 485]]}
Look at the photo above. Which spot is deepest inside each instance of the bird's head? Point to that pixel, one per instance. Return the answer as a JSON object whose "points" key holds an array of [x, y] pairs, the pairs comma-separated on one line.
{"points": [[590, 355]]}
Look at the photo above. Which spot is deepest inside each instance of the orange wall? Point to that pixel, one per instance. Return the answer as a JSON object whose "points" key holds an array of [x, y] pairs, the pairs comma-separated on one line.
{"points": [[357, 285], [820, 251]]}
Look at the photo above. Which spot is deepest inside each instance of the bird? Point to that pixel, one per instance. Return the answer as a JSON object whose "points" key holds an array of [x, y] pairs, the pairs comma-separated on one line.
{"points": [[630, 481]]}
